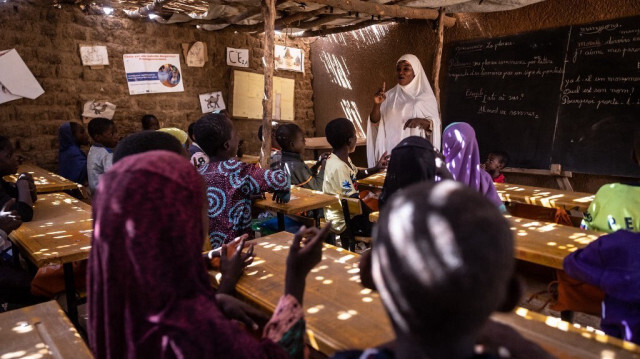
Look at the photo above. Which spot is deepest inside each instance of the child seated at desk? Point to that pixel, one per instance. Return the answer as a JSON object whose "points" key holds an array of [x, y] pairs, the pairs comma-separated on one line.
{"points": [[150, 123], [104, 134], [231, 183], [148, 290], [23, 191], [340, 176], [146, 141], [72, 162], [291, 139], [496, 162], [276, 153], [440, 278], [460, 150]]}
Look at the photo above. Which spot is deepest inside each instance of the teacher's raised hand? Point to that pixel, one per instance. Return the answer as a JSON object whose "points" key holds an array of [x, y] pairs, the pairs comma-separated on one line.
{"points": [[380, 96]]}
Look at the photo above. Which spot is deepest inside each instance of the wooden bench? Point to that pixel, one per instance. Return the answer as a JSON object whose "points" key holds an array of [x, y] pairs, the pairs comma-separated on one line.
{"points": [[60, 233], [40, 331]]}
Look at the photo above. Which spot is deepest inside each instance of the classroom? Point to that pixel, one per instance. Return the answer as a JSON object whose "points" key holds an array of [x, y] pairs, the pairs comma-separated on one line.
{"points": [[320, 179]]}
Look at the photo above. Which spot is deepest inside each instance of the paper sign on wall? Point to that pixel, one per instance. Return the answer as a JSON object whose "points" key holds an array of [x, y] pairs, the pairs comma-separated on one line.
{"points": [[289, 58], [237, 57], [153, 73], [195, 55], [16, 81], [212, 101], [94, 55]]}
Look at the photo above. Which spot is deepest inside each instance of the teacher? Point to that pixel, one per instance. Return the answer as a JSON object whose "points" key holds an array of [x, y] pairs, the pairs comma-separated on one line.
{"points": [[402, 111]]}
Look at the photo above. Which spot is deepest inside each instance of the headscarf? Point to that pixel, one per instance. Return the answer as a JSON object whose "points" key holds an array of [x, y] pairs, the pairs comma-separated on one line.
{"points": [[438, 275], [149, 295], [415, 100], [460, 150], [72, 162], [413, 160]]}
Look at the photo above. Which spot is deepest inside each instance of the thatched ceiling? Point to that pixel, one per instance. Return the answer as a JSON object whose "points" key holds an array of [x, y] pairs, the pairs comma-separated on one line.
{"points": [[300, 18]]}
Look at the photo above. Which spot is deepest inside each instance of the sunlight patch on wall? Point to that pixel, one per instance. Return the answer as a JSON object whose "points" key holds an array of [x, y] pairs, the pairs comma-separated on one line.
{"points": [[350, 110], [337, 68]]}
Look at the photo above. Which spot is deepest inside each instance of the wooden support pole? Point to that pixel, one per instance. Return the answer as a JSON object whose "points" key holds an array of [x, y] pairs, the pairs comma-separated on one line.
{"points": [[437, 61], [269, 15], [394, 11]]}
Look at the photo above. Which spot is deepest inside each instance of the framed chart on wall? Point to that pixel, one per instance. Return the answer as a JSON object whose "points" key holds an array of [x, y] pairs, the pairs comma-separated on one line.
{"points": [[248, 92]]}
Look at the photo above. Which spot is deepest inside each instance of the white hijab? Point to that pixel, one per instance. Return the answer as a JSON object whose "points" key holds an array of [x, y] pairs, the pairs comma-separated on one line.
{"points": [[415, 100]]}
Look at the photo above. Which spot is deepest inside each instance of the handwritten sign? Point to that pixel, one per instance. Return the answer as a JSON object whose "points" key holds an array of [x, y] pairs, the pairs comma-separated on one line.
{"points": [[237, 57]]}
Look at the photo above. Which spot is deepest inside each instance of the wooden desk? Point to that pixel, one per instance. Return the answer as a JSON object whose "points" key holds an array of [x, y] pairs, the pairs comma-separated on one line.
{"points": [[375, 181], [40, 331], [302, 200], [251, 159], [46, 182], [545, 197], [339, 312], [542, 243], [547, 243], [60, 233]]}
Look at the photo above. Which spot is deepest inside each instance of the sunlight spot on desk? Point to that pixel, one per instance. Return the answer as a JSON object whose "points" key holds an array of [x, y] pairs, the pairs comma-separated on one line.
{"points": [[255, 263], [319, 278], [277, 248], [315, 309], [339, 249], [252, 273], [562, 247], [586, 335], [607, 354], [12, 355], [64, 236], [367, 299], [317, 269], [327, 281], [552, 244], [40, 345], [266, 276], [355, 278], [70, 222], [86, 247], [270, 245], [345, 258], [629, 345], [57, 232], [522, 234], [353, 270], [37, 235], [64, 246], [346, 315], [22, 327], [264, 244], [590, 329], [366, 291], [522, 311]]}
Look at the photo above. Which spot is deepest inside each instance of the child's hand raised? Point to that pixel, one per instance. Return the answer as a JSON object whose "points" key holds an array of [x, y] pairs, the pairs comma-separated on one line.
{"points": [[303, 256], [232, 264], [380, 96]]}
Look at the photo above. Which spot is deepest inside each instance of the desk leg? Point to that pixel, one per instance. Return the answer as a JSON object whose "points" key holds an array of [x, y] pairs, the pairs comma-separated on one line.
{"points": [[70, 290], [280, 222]]}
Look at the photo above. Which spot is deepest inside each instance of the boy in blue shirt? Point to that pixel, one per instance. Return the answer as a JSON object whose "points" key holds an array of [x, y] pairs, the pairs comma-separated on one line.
{"points": [[104, 134]]}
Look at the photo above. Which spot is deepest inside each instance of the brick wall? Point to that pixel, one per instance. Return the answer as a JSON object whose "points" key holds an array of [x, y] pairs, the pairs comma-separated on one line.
{"points": [[48, 39]]}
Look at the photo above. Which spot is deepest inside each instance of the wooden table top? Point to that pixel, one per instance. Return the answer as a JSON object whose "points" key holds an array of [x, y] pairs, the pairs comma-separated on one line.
{"points": [[566, 340], [542, 243], [545, 197], [60, 231], [302, 200], [46, 182], [40, 331], [376, 180], [321, 143], [339, 312]]}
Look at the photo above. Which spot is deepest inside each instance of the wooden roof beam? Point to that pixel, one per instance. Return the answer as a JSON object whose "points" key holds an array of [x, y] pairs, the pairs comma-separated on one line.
{"points": [[395, 11], [339, 29], [144, 11]]}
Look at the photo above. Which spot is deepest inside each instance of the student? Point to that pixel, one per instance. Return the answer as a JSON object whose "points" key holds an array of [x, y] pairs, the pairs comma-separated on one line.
{"points": [[276, 153], [496, 162], [148, 290], [23, 191], [104, 135], [198, 157], [72, 162], [340, 177], [146, 141], [291, 139], [231, 183], [150, 123], [616, 205], [440, 278], [460, 150], [413, 160]]}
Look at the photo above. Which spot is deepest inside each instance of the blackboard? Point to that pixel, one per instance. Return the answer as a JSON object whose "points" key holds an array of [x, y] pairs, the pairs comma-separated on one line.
{"points": [[569, 95]]}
